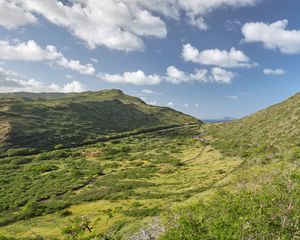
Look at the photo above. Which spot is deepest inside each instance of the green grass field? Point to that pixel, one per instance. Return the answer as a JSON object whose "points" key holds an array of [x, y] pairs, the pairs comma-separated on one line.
{"points": [[126, 180]]}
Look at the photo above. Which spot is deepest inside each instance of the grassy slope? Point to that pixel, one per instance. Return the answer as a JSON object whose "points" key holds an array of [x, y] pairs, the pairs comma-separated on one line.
{"points": [[43, 121], [262, 198], [266, 134]]}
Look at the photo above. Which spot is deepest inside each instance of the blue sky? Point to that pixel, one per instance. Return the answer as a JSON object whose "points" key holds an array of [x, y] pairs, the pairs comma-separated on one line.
{"points": [[209, 59]]}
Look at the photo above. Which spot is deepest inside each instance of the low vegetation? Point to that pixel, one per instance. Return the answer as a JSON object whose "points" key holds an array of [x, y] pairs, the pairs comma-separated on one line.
{"points": [[270, 211], [239, 181], [128, 179]]}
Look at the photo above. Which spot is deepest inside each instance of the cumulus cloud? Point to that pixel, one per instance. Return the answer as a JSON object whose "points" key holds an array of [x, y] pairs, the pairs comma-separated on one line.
{"points": [[136, 78], [216, 74], [222, 75], [120, 25], [170, 104], [148, 91], [269, 71], [11, 81], [222, 58], [273, 36], [74, 86], [114, 24], [31, 51], [197, 10], [13, 15], [75, 65], [174, 75]]}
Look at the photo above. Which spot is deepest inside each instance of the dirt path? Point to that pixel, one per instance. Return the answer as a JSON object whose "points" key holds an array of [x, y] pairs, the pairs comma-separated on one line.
{"points": [[200, 137], [197, 156]]}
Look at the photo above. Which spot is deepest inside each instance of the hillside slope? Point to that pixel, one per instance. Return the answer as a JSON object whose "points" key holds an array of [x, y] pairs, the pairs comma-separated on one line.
{"points": [[45, 121], [268, 133], [260, 198]]}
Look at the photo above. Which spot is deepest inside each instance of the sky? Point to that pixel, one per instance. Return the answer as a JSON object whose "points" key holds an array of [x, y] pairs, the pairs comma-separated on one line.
{"points": [[210, 59]]}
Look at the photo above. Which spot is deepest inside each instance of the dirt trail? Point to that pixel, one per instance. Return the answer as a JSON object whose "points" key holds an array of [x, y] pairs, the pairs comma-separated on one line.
{"points": [[197, 156], [200, 137]]}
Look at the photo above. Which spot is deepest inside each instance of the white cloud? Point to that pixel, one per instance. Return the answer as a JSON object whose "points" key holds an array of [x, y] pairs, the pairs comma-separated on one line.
{"points": [[143, 98], [196, 105], [174, 75], [198, 22], [216, 74], [269, 71], [222, 75], [216, 57], [233, 97], [186, 105], [120, 25], [148, 102], [273, 36], [75, 65], [31, 51], [170, 104], [11, 81], [148, 91], [25, 51], [196, 10], [114, 24], [12, 15], [154, 103], [232, 25], [74, 86], [94, 60], [136, 78]]}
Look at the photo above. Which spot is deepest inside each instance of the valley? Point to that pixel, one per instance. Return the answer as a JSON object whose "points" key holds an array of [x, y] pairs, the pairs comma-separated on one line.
{"points": [[149, 120], [132, 179], [176, 170]]}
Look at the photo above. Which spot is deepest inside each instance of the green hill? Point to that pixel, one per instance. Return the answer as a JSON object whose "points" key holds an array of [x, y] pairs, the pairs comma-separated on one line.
{"points": [[261, 199], [265, 134], [43, 121]]}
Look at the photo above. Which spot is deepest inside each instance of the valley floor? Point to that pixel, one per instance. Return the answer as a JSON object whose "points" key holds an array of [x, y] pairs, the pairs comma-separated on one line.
{"points": [[120, 183]]}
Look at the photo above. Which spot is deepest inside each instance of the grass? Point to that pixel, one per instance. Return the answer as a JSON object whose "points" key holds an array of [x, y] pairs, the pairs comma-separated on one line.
{"points": [[265, 135], [129, 176], [263, 203]]}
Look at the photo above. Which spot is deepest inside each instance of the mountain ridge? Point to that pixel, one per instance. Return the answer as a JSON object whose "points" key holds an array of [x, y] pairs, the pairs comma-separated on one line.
{"points": [[46, 120]]}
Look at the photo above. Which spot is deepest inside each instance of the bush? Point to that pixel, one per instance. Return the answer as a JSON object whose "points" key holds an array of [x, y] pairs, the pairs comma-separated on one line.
{"points": [[65, 213], [21, 151], [142, 212]]}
